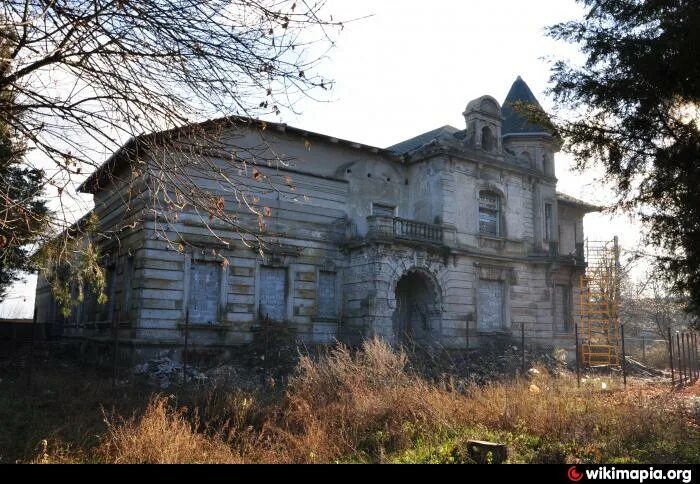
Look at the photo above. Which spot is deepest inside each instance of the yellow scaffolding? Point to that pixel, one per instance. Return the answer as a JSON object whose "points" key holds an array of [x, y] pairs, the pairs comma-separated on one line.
{"points": [[599, 289]]}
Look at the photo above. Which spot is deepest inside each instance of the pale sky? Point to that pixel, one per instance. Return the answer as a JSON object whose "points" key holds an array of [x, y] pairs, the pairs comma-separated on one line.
{"points": [[414, 65]]}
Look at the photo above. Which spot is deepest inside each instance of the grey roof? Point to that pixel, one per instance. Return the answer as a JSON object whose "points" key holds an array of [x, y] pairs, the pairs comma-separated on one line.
{"points": [[134, 144], [515, 122], [422, 139], [569, 200]]}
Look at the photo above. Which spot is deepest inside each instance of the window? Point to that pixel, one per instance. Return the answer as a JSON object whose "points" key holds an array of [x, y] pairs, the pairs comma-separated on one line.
{"points": [[562, 308], [273, 293], [205, 290], [327, 307], [106, 309], [487, 141], [383, 210], [489, 214], [491, 305], [548, 221], [547, 165]]}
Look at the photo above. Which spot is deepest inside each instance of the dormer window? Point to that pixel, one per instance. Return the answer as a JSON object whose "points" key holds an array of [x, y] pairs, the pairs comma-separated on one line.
{"points": [[487, 142], [489, 214]]}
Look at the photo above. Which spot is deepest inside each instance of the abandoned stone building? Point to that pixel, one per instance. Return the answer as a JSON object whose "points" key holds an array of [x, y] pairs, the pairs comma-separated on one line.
{"points": [[456, 233]]}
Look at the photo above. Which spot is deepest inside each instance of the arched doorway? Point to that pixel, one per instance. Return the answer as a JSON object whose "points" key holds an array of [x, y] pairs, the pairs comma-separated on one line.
{"points": [[417, 314]]}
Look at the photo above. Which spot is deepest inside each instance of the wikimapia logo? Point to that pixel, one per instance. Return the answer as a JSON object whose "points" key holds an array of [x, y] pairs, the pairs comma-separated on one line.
{"points": [[641, 475]]}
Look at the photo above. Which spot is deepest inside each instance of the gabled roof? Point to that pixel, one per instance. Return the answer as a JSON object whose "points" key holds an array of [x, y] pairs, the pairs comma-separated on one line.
{"points": [[422, 139], [565, 199], [138, 144], [515, 122]]}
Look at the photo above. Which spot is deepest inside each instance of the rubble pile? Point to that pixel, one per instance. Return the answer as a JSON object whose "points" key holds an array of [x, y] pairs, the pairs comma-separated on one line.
{"points": [[166, 372]]}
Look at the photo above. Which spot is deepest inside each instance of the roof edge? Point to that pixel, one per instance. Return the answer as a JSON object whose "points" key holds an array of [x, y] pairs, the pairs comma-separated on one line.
{"points": [[565, 199]]}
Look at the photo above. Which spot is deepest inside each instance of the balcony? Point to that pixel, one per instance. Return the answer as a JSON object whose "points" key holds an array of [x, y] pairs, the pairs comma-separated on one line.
{"points": [[552, 252], [399, 228]]}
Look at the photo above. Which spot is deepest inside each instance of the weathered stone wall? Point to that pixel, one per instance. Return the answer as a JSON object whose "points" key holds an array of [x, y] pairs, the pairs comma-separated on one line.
{"points": [[320, 227]]}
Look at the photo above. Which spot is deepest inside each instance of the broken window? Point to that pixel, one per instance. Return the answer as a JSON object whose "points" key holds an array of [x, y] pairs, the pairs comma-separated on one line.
{"points": [[383, 210], [562, 308], [491, 305], [273, 293], [205, 290], [489, 213], [548, 222], [327, 307]]}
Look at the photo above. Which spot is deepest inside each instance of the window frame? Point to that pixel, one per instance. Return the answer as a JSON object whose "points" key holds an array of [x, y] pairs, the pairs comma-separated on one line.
{"points": [[568, 326], [548, 229], [223, 287], [337, 298], [497, 213], [504, 313], [393, 207], [288, 299]]}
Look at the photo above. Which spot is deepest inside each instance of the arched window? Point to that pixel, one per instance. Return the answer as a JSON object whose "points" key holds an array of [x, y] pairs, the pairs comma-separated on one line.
{"points": [[489, 213], [487, 142]]}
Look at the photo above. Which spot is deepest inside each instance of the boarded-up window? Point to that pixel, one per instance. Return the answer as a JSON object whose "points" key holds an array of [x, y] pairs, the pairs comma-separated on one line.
{"points": [[383, 210], [562, 310], [489, 213], [205, 289], [273, 292], [548, 221], [327, 307], [491, 305]]}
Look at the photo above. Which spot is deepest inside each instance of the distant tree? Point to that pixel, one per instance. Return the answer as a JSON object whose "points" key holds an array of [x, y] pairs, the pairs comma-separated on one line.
{"points": [[23, 211], [90, 75], [634, 111]]}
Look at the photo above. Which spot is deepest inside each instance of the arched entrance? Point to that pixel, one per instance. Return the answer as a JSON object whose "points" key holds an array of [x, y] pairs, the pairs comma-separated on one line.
{"points": [[417, 315]]}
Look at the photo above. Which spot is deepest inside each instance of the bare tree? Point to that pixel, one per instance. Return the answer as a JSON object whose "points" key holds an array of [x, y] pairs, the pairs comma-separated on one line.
{"points": [[649, 305], [96, 77]]}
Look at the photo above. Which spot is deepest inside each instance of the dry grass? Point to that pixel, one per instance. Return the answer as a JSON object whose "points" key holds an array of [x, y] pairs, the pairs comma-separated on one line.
{"points": [[364, 406], [163, 435]]}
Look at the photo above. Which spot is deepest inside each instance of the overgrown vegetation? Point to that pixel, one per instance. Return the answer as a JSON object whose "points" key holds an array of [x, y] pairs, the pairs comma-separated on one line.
{"points": [[347, 406]]}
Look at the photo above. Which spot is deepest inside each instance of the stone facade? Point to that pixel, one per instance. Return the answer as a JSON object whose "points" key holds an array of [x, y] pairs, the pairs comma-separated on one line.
{"points": [[453, 234]]}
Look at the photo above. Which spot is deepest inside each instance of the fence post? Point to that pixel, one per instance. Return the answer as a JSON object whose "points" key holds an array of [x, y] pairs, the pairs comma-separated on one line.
{"points": [[693, 361], [680, 361], [578, 365], [30, 361], [184, 356], [468, 360], [624, 363], [686, 357], [695, 353], [115, 350], [670, 356], [522, 344]]}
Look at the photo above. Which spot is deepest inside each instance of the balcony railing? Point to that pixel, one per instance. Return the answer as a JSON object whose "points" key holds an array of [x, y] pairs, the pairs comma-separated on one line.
{"points": [[412, 230], [399, 228]]}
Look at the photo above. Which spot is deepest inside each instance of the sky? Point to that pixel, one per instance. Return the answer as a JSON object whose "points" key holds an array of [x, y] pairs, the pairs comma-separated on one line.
{"points": [[408, 67]]}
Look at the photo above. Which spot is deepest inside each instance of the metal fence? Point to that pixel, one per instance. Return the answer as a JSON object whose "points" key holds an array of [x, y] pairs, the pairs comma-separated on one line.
{"points": [[683, 357]]}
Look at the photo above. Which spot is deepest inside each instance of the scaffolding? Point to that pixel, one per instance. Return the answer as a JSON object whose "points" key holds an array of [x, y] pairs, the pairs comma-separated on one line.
{"points": [[599, 289]]}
